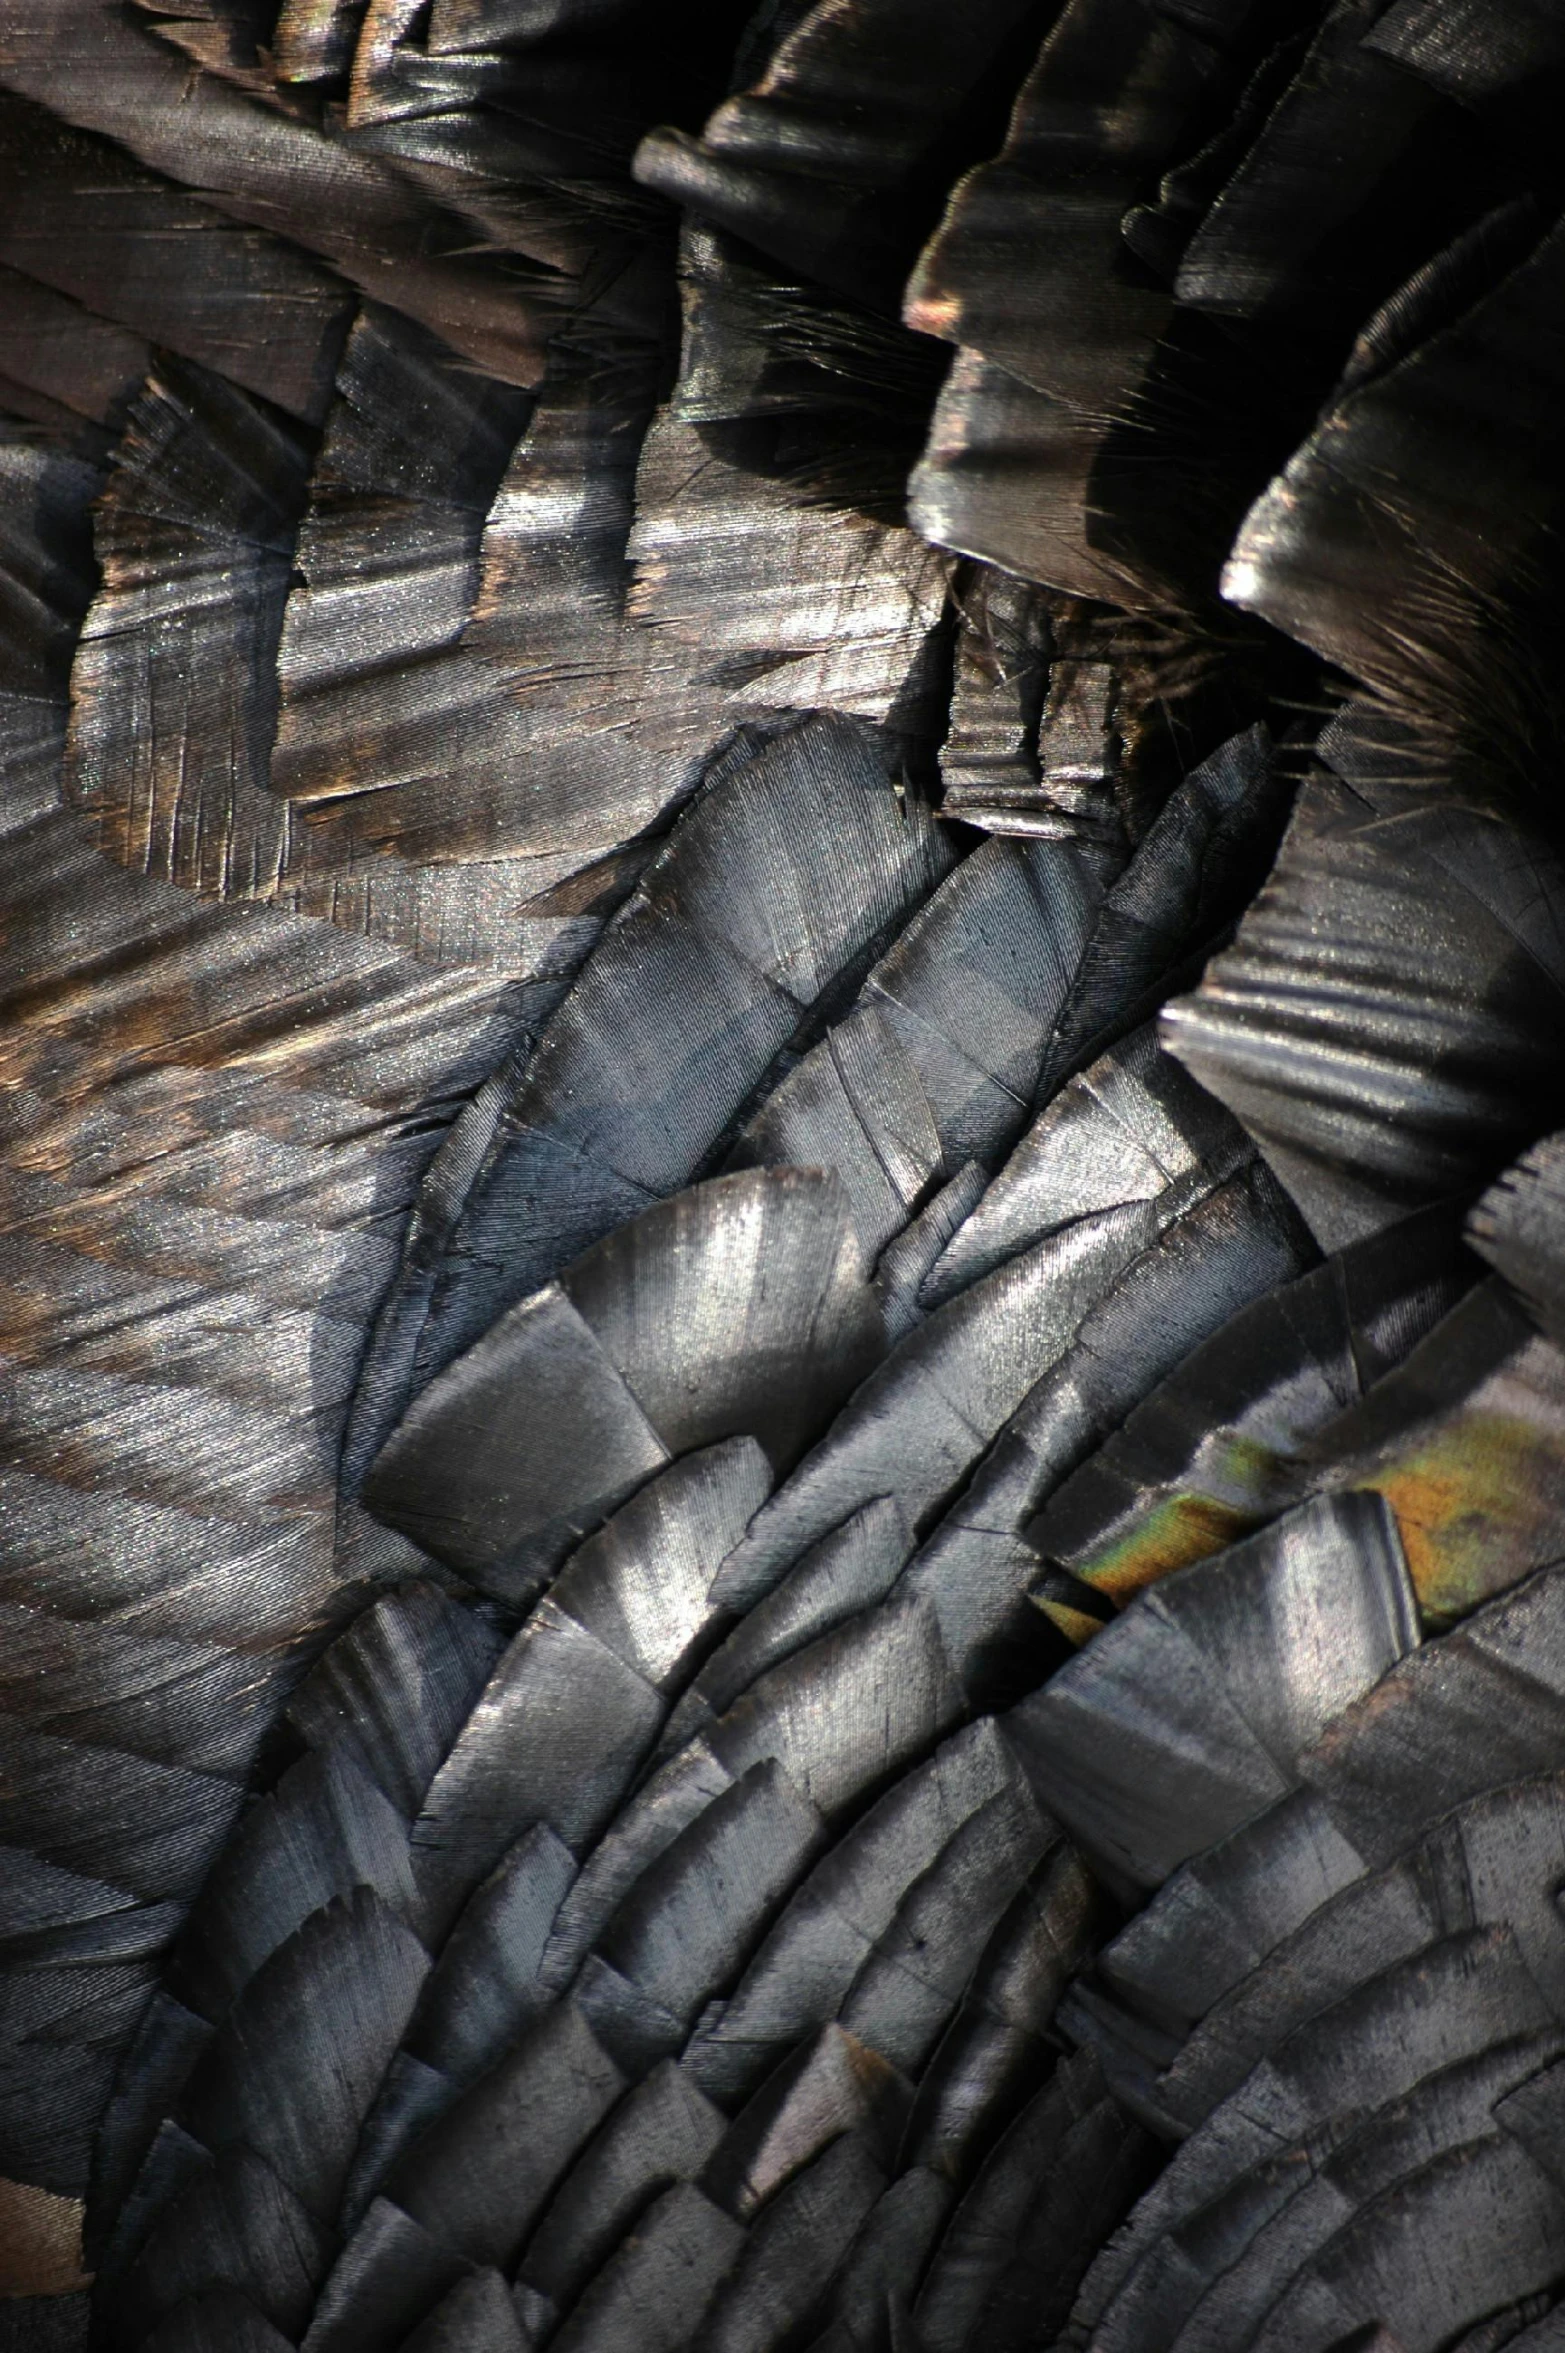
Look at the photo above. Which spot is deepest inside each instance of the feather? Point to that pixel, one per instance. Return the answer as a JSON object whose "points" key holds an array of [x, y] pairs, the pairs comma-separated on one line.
{"points": [[1245, 1931], [323, 1831], [839, 601], [1080, 743], [1366, 1929], [1158, 231], [1453, 2001], [834, 1921], [1216, 1917], [152, 1699], [412, 455], [208, 473], [370, 747], [662, 2133], [1146, 1758], [980, 1567], [478, 1515], [554, 1739], [1545, 2336], [105, 73], [1412, 2245], [224, 37], [1440, 1731], [76, 1804], [395, 1688], [313, 40], [811, 393], [1008, 2264], [237, 1105], [735, 1307], [478, 2177], [1062, 1243], [642, 1584], [1202, 859], [1212, 1450], [792, 2250], [618, 690], [525, 128], [59, 364], [1469, 1527], [990, 761], [84, 219], [1131, 1129], [1000, 2044], [921, 1420], [476, 2317], [981, 284], [1290, 233], [989, 430], [198, 456], [1528, 2115], [906, 1261], [484, 1989], [1516, 1227], [851, 1569], [1512, 63], [1319, 2189], [69, 2026], [870, 2301], [907, 1989], [389, 2277], [410, 2097], [235, 2225], [871, 2298], [1166, 2297], [666, 1804], [851, 1710], [172, 2161], [1140, 437], [825, 163], [685, 1928], [46, 543], [1384, 900], [1412, 598], [627, 1107], [156, 2061], [831, 2085], [652, 2293], [292, 2071], [938, 1061]]}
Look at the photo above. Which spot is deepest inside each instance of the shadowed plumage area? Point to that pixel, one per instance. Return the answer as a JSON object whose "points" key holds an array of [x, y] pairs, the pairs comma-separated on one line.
{"points": [[782, 1248]]}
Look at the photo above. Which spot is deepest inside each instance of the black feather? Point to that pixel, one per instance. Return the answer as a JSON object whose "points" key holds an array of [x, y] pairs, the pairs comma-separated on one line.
{"points": [[1212, 1450], [483, 2171], [736, 1307], [1193, 1711], [292, 2071], [662, 2133]]}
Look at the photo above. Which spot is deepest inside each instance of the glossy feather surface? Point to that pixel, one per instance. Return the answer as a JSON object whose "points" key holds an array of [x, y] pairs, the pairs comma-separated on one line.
{"points": [[779, 1256]]}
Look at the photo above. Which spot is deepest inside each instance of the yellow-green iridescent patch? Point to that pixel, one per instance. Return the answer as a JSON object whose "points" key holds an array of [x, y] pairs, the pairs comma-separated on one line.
{"points": [[1479, 1501], [1478, 1506], [1167, 1536], [1077, 1626]]}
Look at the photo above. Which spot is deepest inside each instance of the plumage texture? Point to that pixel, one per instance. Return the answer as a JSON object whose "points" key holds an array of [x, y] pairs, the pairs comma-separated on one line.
{"points": [[754, 768]]}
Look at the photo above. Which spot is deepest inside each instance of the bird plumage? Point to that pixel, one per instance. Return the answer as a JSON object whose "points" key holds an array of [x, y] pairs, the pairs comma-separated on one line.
{"points": [[782, 930]]}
